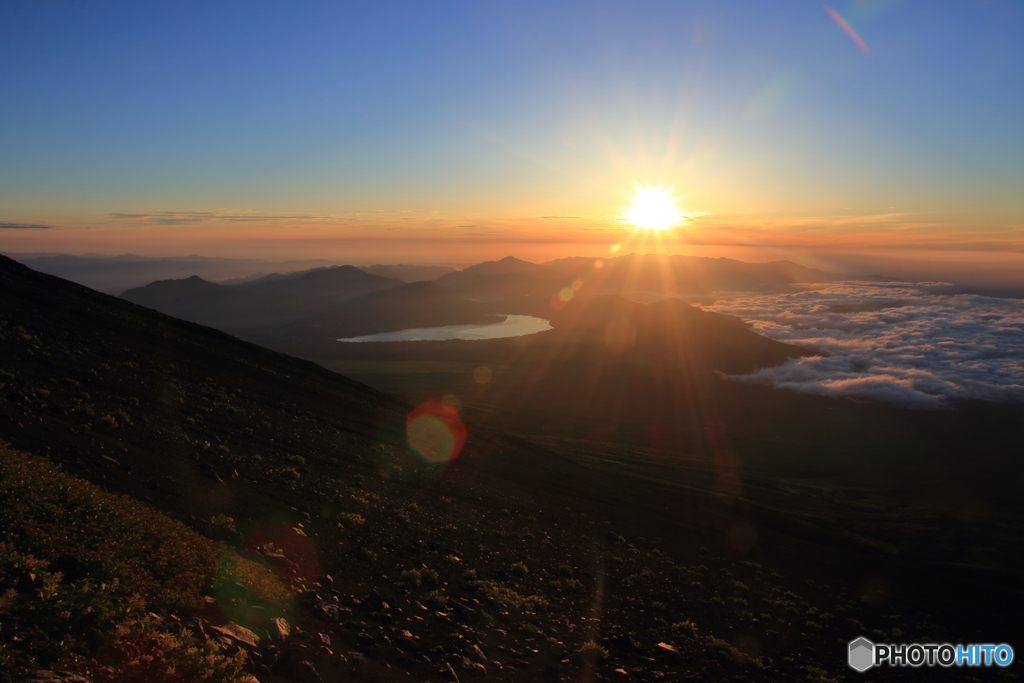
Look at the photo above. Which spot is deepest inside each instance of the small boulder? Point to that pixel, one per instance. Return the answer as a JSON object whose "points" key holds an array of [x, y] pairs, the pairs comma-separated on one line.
{"points": [[668, 654], [279, 628], [238, 634], [476, 670], [475, 654]]}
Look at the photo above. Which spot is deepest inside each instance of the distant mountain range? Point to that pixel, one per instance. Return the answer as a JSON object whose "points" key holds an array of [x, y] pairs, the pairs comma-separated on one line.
{"points": [[327, 301], [116, 274], [633, 274], [267, 301]]}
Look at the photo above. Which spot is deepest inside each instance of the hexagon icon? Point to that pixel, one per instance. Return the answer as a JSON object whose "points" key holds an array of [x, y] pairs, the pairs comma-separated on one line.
{"points": [[861, 654]]}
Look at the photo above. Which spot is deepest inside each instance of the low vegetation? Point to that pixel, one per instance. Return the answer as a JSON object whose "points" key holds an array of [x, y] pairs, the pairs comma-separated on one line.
{"points": [[81, 571]]}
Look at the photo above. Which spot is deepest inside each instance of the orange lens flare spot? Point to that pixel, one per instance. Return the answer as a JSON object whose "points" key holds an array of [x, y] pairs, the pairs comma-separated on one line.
{"points": [[482, 375], [598, 264], [576, 285], [435, 431]]}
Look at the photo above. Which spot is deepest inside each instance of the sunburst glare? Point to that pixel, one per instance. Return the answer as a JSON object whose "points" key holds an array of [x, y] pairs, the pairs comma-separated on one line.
{"points": [[654, 208]]}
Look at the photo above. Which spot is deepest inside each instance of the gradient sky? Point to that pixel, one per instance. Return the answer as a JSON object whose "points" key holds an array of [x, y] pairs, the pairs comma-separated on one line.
{"points": [[456, 131]]}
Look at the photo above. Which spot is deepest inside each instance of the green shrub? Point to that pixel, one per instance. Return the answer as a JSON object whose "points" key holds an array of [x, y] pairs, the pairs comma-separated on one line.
{"points": [[351, 518], [592, 652], [508, 597], [685, 628], [722, 648], [421, 577], [435, 599]]}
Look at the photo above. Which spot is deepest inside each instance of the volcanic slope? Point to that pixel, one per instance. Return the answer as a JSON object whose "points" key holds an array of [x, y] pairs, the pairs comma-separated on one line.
{"points": [[508, 561]]}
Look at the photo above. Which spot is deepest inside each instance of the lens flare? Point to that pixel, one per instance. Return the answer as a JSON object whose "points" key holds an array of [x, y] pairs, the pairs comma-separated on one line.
{"points": [[846, 27], [435, 431], [482, 375]]}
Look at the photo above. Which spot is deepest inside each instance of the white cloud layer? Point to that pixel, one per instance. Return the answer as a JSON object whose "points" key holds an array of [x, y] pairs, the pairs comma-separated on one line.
{"points": [[893, 343]]}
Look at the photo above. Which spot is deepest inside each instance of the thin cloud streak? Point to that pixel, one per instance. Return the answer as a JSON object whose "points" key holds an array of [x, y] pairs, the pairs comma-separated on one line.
{"points": [[24, 226]]}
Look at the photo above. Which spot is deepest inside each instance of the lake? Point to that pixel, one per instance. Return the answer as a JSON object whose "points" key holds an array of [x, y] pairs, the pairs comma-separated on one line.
{"points": [[511, 326]]}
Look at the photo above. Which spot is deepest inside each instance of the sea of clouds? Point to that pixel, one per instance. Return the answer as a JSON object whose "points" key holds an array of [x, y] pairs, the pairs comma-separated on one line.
{"points": [[894, 343]]}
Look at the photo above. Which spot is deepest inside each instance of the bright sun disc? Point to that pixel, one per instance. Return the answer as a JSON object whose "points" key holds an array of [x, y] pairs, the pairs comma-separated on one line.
{"points": [[654, 209]]}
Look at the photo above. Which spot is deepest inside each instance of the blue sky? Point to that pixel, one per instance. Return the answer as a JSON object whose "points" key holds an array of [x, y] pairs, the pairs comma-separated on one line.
{"points": [[764, 117]]}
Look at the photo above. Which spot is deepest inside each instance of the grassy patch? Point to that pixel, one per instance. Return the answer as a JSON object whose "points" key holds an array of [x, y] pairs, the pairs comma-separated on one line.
{"points": [[80, 569], [504, 595]]}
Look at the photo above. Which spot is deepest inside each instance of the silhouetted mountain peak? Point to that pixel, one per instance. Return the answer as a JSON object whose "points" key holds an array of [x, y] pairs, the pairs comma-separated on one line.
{"points": [[509, 264]]}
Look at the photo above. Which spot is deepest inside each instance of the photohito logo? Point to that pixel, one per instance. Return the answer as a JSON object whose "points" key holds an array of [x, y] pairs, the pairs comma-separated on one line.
{"points": [[862, 654]]}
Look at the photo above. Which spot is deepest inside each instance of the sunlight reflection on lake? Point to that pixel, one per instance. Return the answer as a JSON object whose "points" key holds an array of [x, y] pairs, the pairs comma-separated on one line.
{"points": [[511, 326]]}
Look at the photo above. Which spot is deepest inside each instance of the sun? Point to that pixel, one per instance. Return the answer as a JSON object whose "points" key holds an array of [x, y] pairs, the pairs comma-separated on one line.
{"points": [[654, 208]]}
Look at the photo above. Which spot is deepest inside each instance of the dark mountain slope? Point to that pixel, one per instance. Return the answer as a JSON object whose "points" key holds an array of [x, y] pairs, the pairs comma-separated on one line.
{"points": [[668, 334]]}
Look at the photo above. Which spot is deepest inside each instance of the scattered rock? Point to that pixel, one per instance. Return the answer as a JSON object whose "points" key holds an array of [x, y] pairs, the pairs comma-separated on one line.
{"points": [[238, 634], [474, 669], [279, 628], [475, 654], [52, 677], [329, 611], [448, 673], [668, 654], [373, 603]]}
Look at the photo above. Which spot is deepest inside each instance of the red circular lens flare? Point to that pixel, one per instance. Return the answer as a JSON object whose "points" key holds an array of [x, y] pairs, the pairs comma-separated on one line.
{"points": [[435, 431]]}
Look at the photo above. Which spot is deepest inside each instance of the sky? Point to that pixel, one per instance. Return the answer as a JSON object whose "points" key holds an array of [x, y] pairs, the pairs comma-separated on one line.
{"points": [[453, 132]]}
